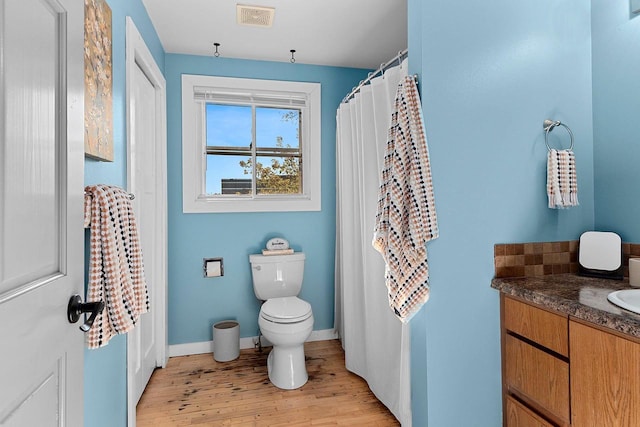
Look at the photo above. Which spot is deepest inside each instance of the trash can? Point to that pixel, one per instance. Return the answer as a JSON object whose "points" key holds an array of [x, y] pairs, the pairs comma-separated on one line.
{"points": [[226, 340]]}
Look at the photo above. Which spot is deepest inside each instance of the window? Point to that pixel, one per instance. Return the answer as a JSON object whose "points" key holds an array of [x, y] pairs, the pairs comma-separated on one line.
{"points": [[250, 145], [231, 153]]}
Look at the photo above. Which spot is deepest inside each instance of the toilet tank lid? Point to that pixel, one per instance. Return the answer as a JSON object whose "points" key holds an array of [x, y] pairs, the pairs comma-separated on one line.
{"points": [[262, 259]]}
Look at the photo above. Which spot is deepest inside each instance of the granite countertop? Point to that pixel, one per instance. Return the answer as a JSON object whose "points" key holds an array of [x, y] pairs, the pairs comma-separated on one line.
{"points": [[581, 297]]}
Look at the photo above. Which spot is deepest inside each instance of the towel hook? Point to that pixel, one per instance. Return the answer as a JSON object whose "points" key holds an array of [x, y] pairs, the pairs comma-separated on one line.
{"points": [[548, 126]]}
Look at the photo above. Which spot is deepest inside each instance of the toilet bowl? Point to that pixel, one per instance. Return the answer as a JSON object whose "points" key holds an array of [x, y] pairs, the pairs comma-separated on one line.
{"points": [[285, 320]]}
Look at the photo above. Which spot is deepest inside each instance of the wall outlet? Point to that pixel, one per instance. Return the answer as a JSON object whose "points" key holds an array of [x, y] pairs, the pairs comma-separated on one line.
{"points": [[213, 267]]}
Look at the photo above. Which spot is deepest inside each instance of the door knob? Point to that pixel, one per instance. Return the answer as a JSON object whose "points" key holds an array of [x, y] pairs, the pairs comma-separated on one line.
{"points": [[76, 307]]}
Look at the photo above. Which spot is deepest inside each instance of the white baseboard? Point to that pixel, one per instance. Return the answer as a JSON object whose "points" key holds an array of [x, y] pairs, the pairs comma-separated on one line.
{"points": [[247, 342], [323, 335]]}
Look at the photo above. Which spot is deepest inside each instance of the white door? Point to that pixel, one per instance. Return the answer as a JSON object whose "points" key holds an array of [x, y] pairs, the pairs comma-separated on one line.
{"points": [[41, 193], [144, 188], [147, 181]]}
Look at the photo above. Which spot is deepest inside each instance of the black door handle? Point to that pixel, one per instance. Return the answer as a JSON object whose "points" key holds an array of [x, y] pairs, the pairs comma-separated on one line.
{"points": [[76, 307]]}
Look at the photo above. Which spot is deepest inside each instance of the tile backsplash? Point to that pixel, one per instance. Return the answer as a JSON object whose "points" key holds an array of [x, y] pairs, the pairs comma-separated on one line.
{"points": [[543, 258], [535, 259]]}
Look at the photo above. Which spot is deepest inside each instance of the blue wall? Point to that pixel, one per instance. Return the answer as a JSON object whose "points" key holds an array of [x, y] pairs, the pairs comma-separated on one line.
{"points": [[491, 72], [195, 302], [105, 369], [616, 117]]}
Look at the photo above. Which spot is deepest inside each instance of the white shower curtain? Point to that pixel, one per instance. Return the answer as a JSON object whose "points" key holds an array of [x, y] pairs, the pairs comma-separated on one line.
{"points": [[376, 343]]}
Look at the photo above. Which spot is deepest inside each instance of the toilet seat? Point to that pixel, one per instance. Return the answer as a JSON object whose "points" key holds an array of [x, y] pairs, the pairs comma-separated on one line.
{"points": [[286, 310]]}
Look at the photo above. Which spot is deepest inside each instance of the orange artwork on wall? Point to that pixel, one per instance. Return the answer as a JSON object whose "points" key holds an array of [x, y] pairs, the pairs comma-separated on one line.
{"points": [[98, 81]]}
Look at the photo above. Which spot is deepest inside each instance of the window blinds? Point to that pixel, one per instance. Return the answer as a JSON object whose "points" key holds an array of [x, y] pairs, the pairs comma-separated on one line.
{"points": [[263, 98]]}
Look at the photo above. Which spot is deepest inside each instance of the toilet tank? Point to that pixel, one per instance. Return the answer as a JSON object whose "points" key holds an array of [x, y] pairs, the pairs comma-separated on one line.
{"points": [[276, 276]]}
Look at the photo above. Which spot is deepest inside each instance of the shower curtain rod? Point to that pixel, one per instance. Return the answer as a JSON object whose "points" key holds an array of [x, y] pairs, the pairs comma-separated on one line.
{"points": [[383, 67]]}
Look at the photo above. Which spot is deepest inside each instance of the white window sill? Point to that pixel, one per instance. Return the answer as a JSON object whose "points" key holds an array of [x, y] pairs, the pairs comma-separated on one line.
{"points": [[245, 204]]}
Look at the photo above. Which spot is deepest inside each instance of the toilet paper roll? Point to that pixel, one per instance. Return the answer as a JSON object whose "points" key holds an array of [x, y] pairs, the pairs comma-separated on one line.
{"points": [[634, 272]]}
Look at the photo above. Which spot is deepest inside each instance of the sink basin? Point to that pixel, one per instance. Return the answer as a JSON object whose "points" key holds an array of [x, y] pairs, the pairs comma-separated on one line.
{"points": [[629, 299]]}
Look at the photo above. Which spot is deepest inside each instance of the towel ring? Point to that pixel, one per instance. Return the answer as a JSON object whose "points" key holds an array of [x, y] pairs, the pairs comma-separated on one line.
{"points": [[548, 126]]}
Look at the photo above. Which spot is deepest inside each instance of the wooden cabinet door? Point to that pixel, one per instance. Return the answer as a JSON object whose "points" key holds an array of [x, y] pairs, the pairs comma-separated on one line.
{"points": [[605, 378]]}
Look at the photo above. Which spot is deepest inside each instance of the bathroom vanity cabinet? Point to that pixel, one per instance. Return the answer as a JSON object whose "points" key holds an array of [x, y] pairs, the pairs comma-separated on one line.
{"points": [[558, 370]]}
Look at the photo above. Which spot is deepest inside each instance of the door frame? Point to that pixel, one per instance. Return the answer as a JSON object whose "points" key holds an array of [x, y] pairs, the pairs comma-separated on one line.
{"points": [[138, 54]]}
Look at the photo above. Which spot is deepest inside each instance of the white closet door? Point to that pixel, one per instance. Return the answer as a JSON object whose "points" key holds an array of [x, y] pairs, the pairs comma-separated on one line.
{"points": [[143, 337]]}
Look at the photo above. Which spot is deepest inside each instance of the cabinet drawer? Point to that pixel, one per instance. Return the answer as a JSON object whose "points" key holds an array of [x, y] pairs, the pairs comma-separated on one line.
{"points": [[519, 415], [537, 377], [545, 328]]}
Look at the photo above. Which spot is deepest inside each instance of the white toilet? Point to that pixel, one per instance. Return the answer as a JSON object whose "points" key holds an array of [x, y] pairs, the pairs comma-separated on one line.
{"points": [[285, 320]]}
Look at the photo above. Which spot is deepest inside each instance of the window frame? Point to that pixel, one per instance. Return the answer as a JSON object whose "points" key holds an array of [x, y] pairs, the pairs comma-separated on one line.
{"points": [[194, 144]]}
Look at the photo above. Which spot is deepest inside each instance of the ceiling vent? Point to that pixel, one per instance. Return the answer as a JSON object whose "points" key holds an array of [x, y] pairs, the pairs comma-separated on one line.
{"points": [[255, 16]]}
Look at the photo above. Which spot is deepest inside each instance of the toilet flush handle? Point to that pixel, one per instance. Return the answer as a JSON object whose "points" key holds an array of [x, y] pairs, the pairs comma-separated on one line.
{"points": [[257, 267]]}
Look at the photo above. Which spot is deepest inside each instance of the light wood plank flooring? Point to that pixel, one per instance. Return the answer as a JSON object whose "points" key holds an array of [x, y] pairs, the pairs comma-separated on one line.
{"points": [[197, 390]]}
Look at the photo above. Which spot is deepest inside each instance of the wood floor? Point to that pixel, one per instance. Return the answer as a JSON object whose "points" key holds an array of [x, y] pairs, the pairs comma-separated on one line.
{"points": [[197, 390]]}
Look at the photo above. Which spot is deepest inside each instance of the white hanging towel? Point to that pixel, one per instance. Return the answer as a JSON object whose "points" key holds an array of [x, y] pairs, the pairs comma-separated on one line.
{"points": [[562, 181], [116, 273], [406, 219]]}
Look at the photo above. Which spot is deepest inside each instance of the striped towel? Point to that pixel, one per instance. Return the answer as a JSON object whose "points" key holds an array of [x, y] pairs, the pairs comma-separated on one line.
{"points": [[116, 273], [562, 181], [406, 218]]}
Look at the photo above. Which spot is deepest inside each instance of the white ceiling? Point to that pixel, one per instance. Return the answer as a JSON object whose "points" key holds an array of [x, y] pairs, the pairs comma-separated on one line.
{"points": [[345, 33]]}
